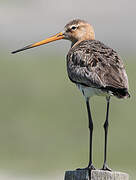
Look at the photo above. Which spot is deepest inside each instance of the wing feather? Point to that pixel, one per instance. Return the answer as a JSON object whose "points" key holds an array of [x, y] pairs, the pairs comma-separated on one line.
{"points": [[95, 65]]}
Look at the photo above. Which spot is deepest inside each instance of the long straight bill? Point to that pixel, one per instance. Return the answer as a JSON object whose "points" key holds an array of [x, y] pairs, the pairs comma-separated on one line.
{"points": [[45, 41]]}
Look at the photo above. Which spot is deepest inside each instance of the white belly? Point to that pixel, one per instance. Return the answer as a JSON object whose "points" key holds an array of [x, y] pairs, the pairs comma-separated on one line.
{"points": [[89, 91]]}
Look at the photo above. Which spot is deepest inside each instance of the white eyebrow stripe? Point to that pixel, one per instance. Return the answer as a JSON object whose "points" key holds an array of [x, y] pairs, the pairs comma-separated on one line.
{"points": [[76, 25]]}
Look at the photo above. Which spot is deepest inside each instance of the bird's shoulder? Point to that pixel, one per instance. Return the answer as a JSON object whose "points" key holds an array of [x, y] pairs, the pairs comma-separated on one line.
{"points": [[94, 53], [98, 63]]}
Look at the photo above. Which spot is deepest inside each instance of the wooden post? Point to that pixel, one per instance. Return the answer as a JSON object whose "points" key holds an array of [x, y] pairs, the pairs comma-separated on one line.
{"points": [[95, 175]]}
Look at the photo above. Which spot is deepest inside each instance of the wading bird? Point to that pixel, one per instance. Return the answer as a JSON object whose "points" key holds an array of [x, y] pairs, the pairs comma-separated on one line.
{"points": [[95, 68]]}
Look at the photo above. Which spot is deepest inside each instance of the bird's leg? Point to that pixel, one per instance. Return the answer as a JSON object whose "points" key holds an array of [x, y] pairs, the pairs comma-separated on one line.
{"points": [[90, 165], [106, 124]]}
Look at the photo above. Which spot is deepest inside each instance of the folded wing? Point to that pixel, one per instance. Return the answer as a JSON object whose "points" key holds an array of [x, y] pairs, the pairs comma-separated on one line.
{"points": [[93, 64]]}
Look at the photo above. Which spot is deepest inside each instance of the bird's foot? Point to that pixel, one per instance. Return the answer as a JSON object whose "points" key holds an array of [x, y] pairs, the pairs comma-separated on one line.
{"points": [[89, 168], [105, 167]]}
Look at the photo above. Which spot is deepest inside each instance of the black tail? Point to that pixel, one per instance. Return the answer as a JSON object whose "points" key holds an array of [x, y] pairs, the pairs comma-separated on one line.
{"points": [[118, 92]]}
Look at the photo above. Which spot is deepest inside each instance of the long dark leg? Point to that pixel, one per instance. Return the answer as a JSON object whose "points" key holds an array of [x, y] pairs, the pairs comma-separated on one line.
{"points": [[90, 165], [106, 124]]}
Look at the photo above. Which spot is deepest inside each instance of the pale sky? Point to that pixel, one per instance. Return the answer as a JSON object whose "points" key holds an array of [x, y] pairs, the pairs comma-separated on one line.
{"points": [[27, 21]]}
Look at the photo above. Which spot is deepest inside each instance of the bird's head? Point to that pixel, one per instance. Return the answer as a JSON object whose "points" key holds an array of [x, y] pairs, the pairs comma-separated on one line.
{"points": [[75, 31], [78, 30]]}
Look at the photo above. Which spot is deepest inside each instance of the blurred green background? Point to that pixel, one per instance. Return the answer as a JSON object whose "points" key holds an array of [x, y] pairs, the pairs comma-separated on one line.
{"points": [[43, 119], [44, 126]]}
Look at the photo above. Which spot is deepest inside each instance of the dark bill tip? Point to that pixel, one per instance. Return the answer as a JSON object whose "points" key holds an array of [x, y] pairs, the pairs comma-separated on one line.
{"points": [[56, 37], [22, 49]]}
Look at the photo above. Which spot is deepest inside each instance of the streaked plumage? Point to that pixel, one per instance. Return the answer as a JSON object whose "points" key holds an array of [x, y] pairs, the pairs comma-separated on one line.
{"points": [[95, 68], [92, 64]]}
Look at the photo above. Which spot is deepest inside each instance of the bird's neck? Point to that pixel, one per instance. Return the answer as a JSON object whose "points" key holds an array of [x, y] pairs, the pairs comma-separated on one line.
{"points": [[89, 36], [76, 42]]}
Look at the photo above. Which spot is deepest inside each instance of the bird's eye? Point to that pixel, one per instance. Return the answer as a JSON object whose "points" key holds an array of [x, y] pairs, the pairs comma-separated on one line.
{"points": [[73, 27]]}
